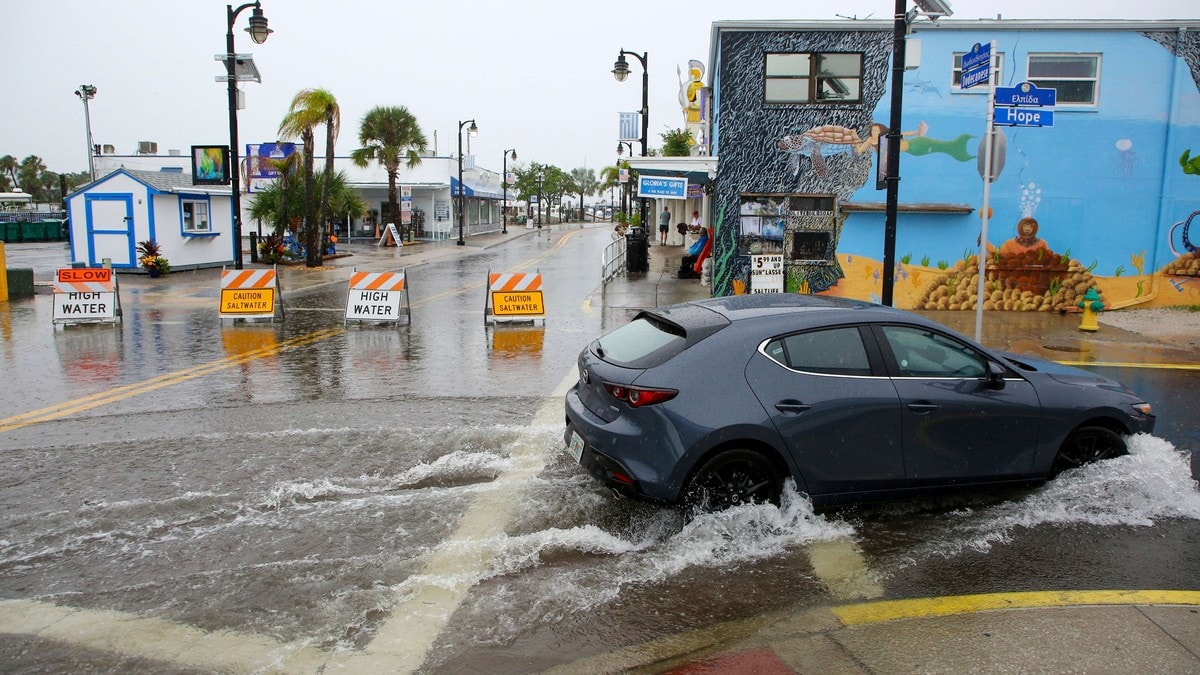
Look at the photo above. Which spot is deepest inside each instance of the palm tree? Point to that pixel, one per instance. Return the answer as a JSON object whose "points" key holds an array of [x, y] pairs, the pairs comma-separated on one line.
{"points": [[8, 171], [390, 134], [610, 179], [309, 108], [583, 182], [281, 197]]}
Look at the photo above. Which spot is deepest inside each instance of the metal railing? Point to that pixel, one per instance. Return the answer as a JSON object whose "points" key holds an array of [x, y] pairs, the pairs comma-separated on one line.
{"points": [[612, 261]]}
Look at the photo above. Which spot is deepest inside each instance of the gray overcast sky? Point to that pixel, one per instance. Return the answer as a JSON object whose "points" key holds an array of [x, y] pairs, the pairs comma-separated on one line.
{"points": [[534, 74]]}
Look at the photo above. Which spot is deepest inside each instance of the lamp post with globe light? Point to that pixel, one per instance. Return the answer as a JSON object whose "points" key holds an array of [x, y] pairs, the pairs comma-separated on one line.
{"points": [[504, 181], [621, 72], [474, 131], [259, 32]]}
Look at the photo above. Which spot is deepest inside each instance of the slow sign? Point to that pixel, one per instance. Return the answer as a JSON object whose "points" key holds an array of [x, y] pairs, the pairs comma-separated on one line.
{"points": [[85, 295]]}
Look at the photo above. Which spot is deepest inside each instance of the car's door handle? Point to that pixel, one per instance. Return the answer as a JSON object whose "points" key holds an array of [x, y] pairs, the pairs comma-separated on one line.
{"points": [[922, 407], [791, 407]]}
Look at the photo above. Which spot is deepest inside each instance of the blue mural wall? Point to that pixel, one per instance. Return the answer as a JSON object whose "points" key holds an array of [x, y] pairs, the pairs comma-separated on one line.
{"points": [[1104, 188]]}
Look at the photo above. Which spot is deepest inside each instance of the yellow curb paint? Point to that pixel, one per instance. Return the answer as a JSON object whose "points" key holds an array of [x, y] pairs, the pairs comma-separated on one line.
{"points": [[891, 610]]}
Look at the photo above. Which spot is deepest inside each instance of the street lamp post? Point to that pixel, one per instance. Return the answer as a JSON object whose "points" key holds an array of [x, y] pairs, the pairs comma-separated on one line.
{"points": [[934, 9], [621, 71], [504, 182], [541, 176], [87, 92], [621, 145], [473, 130], [259, 32]]}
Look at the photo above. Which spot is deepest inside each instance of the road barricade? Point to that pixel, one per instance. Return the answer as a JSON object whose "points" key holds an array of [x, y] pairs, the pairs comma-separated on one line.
{"points": [[378, 296], [86, 295], [250, 294], [514, 296]]}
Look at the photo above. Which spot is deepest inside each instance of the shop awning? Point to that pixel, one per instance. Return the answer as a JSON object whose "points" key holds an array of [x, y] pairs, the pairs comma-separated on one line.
{"points": [[697, 170], [472, 190]]}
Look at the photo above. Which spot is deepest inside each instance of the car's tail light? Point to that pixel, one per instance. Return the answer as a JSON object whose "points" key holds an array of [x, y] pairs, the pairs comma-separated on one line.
{"points": [[637, 397]]}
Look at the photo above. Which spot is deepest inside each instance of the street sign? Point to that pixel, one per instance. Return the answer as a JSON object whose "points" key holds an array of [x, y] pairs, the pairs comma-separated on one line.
{"points": [[976, 66], [662, 187], [1023, 117], [1026, 94]]}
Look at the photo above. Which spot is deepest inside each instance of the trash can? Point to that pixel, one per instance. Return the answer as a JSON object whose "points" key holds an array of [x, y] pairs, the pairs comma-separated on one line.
{"points": [[637, 250]]}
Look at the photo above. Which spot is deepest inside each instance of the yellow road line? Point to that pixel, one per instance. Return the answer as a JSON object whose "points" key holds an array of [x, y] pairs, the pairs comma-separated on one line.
{"points": [[129, 390], [1130, 364], [891, 610], [122, 392]]}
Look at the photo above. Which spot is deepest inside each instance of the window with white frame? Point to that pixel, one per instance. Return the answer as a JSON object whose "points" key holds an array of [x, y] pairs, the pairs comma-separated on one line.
{"points": [[195, 216], [1076, 77], [980, 88], [834, 77]]}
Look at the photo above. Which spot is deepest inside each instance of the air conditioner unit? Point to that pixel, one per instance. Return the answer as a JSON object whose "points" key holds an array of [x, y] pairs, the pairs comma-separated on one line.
{"points": [[175, 152], [109, 150], [147, 148]]}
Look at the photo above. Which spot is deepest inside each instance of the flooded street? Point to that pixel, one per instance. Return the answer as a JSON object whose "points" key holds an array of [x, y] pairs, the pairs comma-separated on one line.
{"points": [[309, 495]]}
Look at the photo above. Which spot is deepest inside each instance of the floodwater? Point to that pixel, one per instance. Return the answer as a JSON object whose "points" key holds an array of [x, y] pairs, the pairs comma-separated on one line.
{"points": [[304, 498]]}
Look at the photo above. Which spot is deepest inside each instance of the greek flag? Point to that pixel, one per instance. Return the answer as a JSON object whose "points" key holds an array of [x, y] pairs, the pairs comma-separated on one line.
{"points": [[630, 127]]}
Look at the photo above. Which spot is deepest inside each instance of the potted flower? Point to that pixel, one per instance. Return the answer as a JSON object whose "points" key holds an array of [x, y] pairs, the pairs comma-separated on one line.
{"points": [[151, 259]]}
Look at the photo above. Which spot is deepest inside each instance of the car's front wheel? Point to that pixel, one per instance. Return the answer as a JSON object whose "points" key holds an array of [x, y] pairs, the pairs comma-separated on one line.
{"points": [[733, 478], [1087, 445]]}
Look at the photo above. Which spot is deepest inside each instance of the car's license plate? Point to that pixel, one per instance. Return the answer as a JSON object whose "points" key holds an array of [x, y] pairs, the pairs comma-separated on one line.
{"points": [[575, 447]]}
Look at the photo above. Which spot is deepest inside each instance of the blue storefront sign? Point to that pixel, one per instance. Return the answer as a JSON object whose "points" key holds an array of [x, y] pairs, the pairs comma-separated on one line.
{"points": [[662, 187]]}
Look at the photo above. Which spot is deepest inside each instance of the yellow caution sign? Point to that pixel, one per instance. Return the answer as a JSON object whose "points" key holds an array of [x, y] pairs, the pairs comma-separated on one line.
{"points": [[248, 293], [514, 295]]}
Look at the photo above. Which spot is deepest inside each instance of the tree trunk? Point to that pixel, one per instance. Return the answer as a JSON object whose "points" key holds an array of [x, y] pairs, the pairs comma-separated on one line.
{"points": [[310, 211]]}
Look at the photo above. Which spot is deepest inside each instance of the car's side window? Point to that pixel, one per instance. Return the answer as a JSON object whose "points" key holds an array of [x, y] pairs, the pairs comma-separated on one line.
{"points": [[836, 351], [924, 353]]}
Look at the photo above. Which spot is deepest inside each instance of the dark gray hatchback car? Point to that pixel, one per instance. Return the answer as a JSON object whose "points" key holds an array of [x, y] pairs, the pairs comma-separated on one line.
{"points": [[715, 403]]}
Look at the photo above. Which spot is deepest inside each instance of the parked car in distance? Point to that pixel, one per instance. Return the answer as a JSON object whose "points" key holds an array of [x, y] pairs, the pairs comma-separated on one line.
{"points": [[715, 403]]}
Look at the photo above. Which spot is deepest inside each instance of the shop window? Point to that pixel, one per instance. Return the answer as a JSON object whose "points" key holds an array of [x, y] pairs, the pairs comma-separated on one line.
{"points": [[813, 78], [982, 87], [195, 216], [1076, 77]]}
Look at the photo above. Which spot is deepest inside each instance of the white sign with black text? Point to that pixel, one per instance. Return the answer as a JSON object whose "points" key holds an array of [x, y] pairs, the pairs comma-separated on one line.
{"points": [[766, 274]]}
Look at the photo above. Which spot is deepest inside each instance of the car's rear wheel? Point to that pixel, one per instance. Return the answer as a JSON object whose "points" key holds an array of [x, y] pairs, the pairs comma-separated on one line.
{"points": [[733, 478], [1087, 445]]}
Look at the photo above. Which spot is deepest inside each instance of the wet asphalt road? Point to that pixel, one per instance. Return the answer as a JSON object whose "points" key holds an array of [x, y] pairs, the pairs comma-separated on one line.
{"points": [[303, 497]]}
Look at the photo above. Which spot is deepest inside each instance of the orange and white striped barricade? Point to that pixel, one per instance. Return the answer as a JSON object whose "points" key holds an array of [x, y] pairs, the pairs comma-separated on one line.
{"points": [[514, 296], [86, 295], [378, 296], [250, 294]]}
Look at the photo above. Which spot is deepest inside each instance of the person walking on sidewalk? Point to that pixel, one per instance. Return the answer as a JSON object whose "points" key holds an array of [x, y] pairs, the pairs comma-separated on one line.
{"points": [[664, 225]]}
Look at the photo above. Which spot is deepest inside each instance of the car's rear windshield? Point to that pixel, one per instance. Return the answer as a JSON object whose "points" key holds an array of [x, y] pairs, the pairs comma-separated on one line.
{"points": [[644, 342]]}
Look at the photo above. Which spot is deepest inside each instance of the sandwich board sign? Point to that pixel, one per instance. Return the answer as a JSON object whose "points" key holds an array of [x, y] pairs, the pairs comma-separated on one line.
{"points": [[85, 295], [378, 296]]}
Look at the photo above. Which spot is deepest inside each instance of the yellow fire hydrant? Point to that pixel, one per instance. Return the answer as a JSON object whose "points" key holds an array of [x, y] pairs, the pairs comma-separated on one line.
{"points": [[1091, 305]]}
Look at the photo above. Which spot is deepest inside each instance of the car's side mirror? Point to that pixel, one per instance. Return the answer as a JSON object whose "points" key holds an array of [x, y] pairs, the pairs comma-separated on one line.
{"points": [[995, 377]]}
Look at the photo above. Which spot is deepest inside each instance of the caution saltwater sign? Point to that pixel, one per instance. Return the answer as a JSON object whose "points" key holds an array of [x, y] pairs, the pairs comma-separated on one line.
{"points": [[247, 301], [248, 293], [517, 303], [514, 295]]}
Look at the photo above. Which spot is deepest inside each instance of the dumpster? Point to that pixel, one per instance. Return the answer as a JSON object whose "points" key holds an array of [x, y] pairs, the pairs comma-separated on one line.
{"points": [[637, 250]]}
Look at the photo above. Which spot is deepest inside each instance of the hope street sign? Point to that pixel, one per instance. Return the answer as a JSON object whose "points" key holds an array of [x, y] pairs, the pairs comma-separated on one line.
{"points": [[1026, 95], [662, 187], [1023, 117], [976, 65]]}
